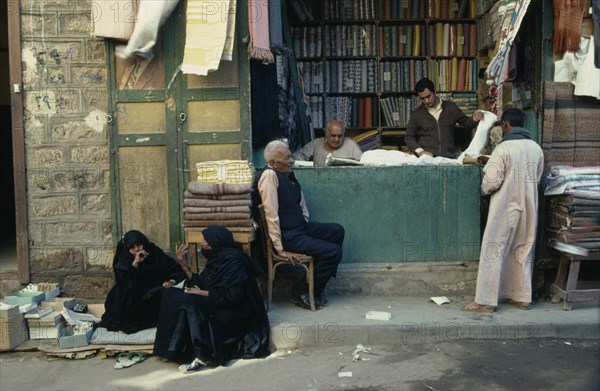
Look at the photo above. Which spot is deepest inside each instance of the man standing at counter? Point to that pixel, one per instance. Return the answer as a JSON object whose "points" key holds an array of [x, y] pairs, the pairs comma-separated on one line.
{"points": [[289, 228], [430, 129], [511, 176], [334, 142]]}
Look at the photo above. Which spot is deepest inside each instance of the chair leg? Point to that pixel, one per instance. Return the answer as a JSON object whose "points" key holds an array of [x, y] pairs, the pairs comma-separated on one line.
{"points": [[270, 279], [310, 279]]}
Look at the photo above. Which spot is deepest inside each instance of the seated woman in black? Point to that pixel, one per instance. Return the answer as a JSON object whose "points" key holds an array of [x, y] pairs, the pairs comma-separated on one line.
{"points": [[220, 315], [141, 268]]}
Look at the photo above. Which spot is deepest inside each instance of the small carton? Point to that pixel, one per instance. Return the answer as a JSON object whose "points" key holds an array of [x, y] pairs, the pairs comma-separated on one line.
{"points": [[68, 339], [24, 297], [96, 309], [8, 311], [58, 303], [13, 332]]}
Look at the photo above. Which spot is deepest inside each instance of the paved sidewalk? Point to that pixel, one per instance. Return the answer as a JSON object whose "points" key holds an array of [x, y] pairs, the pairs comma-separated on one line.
{"points": [[420, 320]]}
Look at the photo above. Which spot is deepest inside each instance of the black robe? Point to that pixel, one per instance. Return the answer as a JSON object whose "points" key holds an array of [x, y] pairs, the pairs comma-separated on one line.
{"points": [[133, 303], [230, 323]]}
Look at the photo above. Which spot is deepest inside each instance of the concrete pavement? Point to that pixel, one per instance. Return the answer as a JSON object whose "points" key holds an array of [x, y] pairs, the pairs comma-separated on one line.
{"points": [[420, 320]]}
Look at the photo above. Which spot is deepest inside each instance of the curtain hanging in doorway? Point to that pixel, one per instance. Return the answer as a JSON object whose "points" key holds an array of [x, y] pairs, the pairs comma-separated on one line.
{"points": [[210, 30]]}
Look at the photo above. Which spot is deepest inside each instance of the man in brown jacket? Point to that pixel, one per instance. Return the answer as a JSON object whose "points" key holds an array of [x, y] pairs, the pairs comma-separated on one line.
{"points": [[430, 129]]}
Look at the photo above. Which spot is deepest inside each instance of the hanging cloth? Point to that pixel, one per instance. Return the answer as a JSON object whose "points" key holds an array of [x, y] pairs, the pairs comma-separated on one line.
{"points": [[150, 17], [258, 23], [568, 15], [209, 35]]}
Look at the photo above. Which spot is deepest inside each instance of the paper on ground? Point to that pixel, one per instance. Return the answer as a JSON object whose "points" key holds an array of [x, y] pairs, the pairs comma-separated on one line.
{"points": [[439, 300], [344, 374], [378, 315]]}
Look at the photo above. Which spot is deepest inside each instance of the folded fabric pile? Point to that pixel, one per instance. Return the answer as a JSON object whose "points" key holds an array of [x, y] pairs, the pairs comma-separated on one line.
{"points": [[225, 171], [368, 140], [573, 208], [225, 204]]}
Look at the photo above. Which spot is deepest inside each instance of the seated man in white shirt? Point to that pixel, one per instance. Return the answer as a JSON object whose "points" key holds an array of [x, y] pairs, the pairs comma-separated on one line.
{"points": [[334, 142], [289, 228]]}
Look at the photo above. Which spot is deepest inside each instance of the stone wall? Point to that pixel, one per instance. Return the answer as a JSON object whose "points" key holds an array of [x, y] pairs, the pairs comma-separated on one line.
{"points": [[67, 156]]}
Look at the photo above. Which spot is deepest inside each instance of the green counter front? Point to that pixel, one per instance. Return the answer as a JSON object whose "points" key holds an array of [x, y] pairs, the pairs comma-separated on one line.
{"points": [[398, 213]]}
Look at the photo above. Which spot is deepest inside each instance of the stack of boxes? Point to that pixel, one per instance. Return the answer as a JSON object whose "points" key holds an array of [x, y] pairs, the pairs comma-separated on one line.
{"points": [[39, 314]]}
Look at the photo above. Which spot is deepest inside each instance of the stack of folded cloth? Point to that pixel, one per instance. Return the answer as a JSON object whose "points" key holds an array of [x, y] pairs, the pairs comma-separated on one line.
{"points": [[368, 140], [573, 213], [221, 196], [224, 171]]}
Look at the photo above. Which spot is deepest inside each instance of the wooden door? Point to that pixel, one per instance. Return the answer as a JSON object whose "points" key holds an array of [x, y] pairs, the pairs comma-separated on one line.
{"points": [[163, 122]]}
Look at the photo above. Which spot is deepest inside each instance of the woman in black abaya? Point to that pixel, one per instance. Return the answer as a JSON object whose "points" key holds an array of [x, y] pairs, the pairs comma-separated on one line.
{"points": [[220, 315], [141, 269]]}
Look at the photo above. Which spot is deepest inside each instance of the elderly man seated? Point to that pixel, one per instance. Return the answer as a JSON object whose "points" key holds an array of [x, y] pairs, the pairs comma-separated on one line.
{"points": [[334, 142], [291, 232]]}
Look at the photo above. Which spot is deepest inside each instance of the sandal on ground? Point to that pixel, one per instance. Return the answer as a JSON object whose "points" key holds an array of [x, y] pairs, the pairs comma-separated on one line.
{"points": [[519, 304], [194, 366], [474, 307], [125, 359]]}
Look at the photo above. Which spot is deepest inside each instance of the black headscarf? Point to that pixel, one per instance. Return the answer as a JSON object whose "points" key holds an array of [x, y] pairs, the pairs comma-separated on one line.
{"points": [[226, 264], [156, 263]]}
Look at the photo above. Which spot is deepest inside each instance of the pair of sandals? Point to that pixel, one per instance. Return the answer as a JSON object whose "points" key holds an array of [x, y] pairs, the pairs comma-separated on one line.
{"points": [[126, 359]]}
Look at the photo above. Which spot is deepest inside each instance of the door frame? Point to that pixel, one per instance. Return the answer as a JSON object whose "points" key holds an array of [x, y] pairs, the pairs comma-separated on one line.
{"points": [[18, 140]]}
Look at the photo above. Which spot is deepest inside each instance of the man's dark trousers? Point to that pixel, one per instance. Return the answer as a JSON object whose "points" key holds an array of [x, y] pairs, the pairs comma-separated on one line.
{"points": [[323, 241]]}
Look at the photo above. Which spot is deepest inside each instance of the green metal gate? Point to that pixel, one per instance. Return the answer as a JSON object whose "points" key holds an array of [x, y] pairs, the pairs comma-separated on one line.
{"points": [[163, 122]]}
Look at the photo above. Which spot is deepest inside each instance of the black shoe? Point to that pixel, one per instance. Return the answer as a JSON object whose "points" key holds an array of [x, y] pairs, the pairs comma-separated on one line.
{"points": [[301, 300], [321, 301]]}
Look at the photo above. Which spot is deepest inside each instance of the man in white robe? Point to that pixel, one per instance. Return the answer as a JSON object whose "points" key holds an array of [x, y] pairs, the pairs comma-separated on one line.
{"points": [[511, 177]]}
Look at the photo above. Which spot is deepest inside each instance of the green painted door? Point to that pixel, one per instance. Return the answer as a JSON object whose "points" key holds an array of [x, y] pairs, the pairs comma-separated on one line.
{"points": [[163, 122]]}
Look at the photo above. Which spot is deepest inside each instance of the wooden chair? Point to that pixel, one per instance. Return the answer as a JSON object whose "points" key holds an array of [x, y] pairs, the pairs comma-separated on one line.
{"points": [[275, 260]]}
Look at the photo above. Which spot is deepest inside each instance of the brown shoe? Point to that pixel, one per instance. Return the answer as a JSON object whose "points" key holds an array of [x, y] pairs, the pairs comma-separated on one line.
{"points": [[474, 307]]}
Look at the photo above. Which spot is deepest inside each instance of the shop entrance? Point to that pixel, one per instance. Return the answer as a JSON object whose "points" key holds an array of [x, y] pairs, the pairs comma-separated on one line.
{"points": [[163, 122]]}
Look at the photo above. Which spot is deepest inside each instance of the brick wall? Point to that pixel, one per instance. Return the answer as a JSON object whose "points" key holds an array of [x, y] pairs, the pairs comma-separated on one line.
{"points": [[67, 157]]}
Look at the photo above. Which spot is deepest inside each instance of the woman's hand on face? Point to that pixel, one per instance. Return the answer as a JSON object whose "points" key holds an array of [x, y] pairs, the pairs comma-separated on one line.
{"points": [[168, 284], [181, 250], [140, 257]]}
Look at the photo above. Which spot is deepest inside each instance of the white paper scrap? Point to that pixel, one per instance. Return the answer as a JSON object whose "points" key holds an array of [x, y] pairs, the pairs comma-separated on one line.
{"points": [[439, 300], [378, 315], [344, 374]]}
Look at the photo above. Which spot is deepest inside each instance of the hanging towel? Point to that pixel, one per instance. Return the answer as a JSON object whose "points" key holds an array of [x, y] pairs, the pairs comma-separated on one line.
{"points": [[258, 23], [209, 35], [568, 15], [150, 17]]}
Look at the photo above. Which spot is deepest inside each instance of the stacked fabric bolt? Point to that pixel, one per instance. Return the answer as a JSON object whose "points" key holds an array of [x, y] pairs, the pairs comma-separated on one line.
{"points": [[225, 204], [368, 140], [220, 196], [573, 210], [224, 171]]}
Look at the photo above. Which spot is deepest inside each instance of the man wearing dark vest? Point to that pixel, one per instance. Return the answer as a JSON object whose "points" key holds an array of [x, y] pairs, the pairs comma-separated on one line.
{"points": [[289, 228]]}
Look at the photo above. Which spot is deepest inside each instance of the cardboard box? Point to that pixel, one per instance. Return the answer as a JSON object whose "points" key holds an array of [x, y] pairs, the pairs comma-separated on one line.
{"points": [[24, 297], [96, 309], [8, 311], [52, 294], [46, 326], [67, 339], [58, 303], [13, 332]]}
